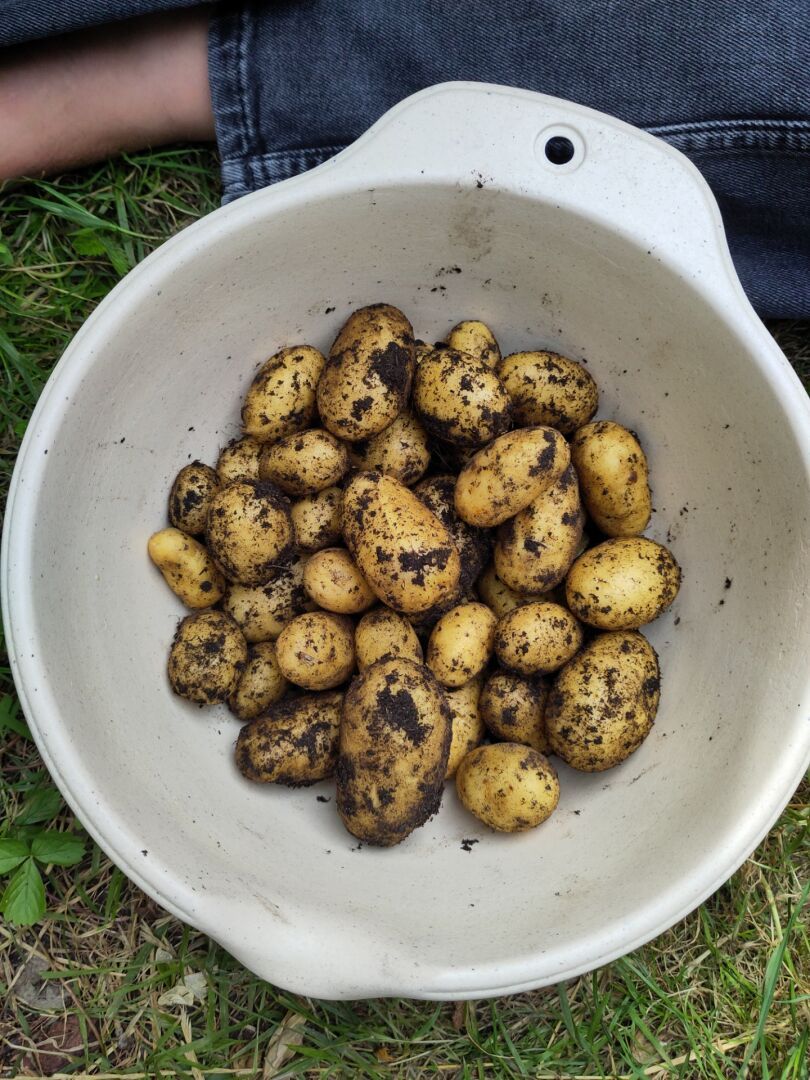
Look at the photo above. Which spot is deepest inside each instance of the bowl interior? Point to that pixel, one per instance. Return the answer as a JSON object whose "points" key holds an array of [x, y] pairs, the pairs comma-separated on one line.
{"points": [[157, 381]]}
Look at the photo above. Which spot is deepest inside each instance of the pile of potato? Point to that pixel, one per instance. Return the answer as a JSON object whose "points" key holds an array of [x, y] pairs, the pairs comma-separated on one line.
{"points": [[392, 583]]}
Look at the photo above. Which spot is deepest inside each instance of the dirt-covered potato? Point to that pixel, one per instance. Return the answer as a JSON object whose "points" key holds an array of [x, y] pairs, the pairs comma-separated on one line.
{"points": [[281, 398], [535, 548], [400, 450], [623, 583], [461, 644], [509, 787], [262, 611], [613, 478], [404, 552], [187, 568], [367, 378], [207, 657], [260, 685], [547, 388], [394, 743], [304, 463], [316, 519], [498, 597], [467, 726], [333, 580], [459, 399], [509, 473], [512, 708], [437, 493], [383, 633], [476, 339], [295, 743], [249, 530], [239, 460], [603, 703], [189, 498], [316, 650], [537, 638]]}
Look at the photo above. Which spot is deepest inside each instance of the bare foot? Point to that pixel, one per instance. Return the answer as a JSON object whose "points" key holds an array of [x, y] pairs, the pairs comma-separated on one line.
{"points": [[86, 96]]}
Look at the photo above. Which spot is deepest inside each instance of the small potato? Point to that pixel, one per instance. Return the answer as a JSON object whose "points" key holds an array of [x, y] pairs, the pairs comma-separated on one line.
{"points": [[239, 460], [187, 568], [189, 498], [333, 580], [603, 703], [316, 650], [304, 463], [367, 379], [459, 399], [261, 684], [509, 473], [249, 531], [498, 597], [613, 478], [207, 657], [316, 519], [537, 638], [509, 787], [262, 611], [477, 340], [437, 493], [400, 450], [461, 644], [382, 633], [281, 398], [512, 708], [622, 583], [295, 743], [468, 727], [547, 388]]}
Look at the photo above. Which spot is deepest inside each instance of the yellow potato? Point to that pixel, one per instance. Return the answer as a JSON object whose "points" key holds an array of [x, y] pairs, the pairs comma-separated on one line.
{"points": [[239, 460], [187, 568], [509, 787], [512, 708], [401, 450], [281, 398], [459, 399], [613, 478], [295, 743], [382, 633], [333, 580], [260, 685], [467, 725], [498, 597], [189, 498], [316, 650], [207, 657], [262, 611], [622, 583], [304, 463], [249, 531], [461, 644], [476, 339], [316, 519], [437, 493], [547, 388], [537, 638]]}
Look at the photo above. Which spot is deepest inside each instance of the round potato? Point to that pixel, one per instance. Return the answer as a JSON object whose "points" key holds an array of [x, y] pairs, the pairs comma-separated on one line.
{"points": [[613, 478], [262, 611], [437, 493], [382, 633], [400, 450], [189, 498], [547, 388], [459, 399], [603, 703], [281, 398], [295, 743], [239, 460], [467, 726], [316, 650], [461, 644], [207, 657], [367, 379], [394, 743], [261, 684], [509, 787], [316, 519], [498, 597], [537, 638], [304, 463], [187, 568], [509, 473], [476, 339], [622, 583], [333, 580], [512, 708], [249, 531]]}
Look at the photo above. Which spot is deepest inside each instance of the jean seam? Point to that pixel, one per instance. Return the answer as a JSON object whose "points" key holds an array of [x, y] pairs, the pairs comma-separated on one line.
{"points": [[742, 135]]}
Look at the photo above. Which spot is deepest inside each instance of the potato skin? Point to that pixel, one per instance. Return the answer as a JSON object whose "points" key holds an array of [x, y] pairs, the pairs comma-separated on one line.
{"points": [[508, 474], [187, 568], [207, 657], [260, 685], [367, 379], [513, 707], [281, 399], [316, 650], [546, 388], [239, 460], [401, 450], [459, 399], [394, 744], [477, 340], [262, 611], [511, 788], [189, 497], [249, 531], [498, 597], [333, 580], [295, 743], [304, 463], [613, 477], [474, 547], [461, 644], [316, 519], [603, 703], [382, 633], [622, 583], [467, 726], [537, 638]]}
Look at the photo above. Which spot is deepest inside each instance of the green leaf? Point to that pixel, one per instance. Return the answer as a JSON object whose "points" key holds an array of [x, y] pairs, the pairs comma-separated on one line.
{"points": [[86, 242], [10, 719], [59, 848], [117, 256], [43, 805], [12, 853], [23, 902], [6, 258]]}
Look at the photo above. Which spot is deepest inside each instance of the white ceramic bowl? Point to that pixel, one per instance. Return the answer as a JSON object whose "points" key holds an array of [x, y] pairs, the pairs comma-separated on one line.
{"points": [[449, 209]]}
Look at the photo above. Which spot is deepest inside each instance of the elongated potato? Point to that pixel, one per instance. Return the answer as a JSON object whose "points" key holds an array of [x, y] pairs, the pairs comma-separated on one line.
{"points": [[316, 650], [316, 519], [512, 708], [295, 743], [333, 580], [207, 657], [537, 638], [262, 611], [394, 744], [187, 568], [367, 379], [239, 460], [536, 547], [304, 463], [383, 633], [401, 450], [281, 398], [249, 531], [509, 473], [459, 399], [622, 583], [260, 685], [509, 787], [476, 339], [613, 478], [498, 597], [546, 388], [189, 498], [461, 644], [467, 726], [474, 547]]}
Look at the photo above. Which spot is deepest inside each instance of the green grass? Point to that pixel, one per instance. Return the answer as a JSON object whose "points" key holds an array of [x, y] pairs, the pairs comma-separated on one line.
{"points": [[724, 993]]}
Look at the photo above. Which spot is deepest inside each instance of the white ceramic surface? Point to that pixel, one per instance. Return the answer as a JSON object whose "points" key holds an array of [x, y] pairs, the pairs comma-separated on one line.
{"points": [[447, 208]]}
